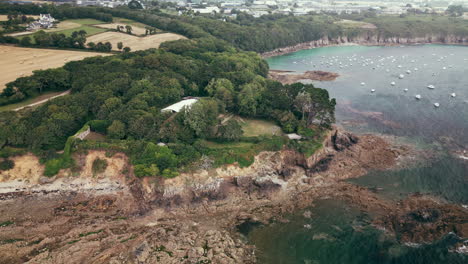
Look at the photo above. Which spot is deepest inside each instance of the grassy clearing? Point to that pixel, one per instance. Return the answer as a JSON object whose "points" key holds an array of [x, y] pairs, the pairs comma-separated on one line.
{"points": [[90, 30], [86, 21], [258, 127], [243, 152]]}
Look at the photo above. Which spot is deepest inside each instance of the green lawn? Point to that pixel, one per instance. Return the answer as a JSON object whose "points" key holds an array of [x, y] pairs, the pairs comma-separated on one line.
{"points": [[86, 21], [90, 30], [258, 127]]}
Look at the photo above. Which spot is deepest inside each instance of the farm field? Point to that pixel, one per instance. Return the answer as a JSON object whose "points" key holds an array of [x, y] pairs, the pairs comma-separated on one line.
{"points": [[18, 62], [134, 42]]}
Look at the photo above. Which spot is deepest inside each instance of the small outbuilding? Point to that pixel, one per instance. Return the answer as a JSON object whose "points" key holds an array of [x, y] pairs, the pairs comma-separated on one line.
{"points": [[177, 107]]}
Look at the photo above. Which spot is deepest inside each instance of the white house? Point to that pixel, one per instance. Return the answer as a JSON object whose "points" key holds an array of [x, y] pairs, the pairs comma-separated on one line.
{"points": [[177, 107], [45, 21]]}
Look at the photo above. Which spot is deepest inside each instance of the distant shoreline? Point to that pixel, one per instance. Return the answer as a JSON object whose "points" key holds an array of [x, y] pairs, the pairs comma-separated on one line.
{"points": [[325, 42]]}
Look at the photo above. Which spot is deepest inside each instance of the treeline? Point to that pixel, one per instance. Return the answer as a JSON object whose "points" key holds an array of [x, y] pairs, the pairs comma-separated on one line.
{"points": [[128, 91], [245, 32], [14, 22], [59, 12]]}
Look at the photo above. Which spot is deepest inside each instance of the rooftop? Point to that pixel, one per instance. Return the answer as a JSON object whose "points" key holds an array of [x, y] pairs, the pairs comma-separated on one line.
{"points": [[175, 108]]}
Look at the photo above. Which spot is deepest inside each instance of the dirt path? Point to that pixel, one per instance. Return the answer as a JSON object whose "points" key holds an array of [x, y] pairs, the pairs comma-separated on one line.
{"points": [[42, 101]]}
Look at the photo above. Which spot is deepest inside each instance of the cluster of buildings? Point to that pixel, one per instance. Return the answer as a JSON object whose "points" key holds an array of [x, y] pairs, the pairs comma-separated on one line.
{"points": [[45, 21], [258, 8]]}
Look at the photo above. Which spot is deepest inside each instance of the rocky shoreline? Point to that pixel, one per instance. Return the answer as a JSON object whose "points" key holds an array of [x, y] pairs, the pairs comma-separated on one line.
{"points": [[288, 77], [194, 218], [368, 39]]}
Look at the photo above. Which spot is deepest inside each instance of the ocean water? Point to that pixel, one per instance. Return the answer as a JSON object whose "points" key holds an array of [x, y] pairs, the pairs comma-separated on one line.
{"points": [[339, 233]]}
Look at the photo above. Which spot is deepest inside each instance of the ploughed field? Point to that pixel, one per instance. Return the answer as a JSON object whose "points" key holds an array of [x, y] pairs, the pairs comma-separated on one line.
{"points": [[134, 42], [19, 62]]}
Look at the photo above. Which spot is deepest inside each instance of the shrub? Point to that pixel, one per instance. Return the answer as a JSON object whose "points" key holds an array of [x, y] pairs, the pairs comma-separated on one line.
{"points": [[7, 165], [99, 166], [53, 166]]}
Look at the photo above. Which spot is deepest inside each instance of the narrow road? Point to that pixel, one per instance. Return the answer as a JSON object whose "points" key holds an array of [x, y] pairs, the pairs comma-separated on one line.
{"points": [[43, 101]]}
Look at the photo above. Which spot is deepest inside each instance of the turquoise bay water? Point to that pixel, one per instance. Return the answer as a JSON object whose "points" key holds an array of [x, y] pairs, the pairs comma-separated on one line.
{"points": [[338, 233]]}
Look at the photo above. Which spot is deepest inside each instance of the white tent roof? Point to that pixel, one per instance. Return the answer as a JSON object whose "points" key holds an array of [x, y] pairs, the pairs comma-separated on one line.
{"points": [[179, 105]]}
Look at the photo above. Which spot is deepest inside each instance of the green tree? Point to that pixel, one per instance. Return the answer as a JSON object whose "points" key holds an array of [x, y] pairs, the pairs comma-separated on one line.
{"points": [[201, 117], [126, 49], [455, 10], [144, 170], [231, 130], [25, 41], [119, 45], [128, 28], [223, 90], [116, 130]]}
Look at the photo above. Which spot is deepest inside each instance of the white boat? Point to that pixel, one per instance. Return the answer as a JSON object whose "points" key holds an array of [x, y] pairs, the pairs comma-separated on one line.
{"points": [[363, 83], [444, 68], [430, 86], [436, 104], [372, 91], [453, 94], [399, 66], [406, 89], [392, 83], [408, 72], [416, 69], [401, 76], [418, 96]]}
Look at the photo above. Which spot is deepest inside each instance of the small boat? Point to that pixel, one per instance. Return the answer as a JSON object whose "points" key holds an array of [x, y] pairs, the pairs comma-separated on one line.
{"points": [[453, 94], [401, 76], [399, 66], [406, 89], [444, 68], [372, 91], [430, 86], [436, 104], [392, 83], [408, 72], [363, 83], [418, 96], [416, 69]]}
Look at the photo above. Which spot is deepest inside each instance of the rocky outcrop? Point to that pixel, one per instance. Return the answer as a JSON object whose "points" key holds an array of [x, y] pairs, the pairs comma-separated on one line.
{"points": [[192, 218], [371, 38]]}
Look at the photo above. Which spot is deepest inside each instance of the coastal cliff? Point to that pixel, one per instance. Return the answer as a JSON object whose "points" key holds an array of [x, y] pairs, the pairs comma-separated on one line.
{"points": [[113, 217], [370, 38]]}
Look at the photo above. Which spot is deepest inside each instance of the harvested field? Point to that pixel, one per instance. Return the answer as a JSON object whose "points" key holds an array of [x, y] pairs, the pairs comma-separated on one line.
{"points": [[18, 62], [135, 43], [135, 30]]}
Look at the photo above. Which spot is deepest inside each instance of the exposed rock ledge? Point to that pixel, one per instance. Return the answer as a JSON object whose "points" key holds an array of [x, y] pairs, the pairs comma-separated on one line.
{"points": [[288, 77], [371, 39], [191, 218]]}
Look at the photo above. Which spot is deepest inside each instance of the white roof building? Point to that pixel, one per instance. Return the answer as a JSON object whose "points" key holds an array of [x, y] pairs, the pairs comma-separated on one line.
{"points": [[177, 107], [294, 136]]}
